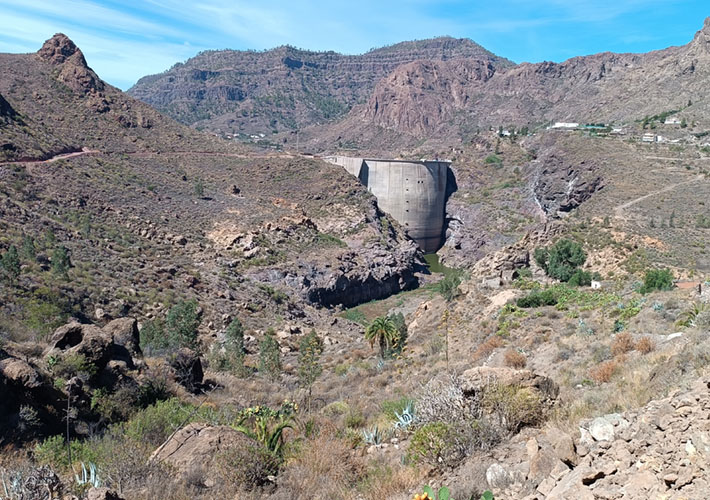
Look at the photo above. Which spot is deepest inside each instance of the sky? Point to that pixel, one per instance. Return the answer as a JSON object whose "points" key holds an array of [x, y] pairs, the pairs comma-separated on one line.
{"points": [[124, 40]]}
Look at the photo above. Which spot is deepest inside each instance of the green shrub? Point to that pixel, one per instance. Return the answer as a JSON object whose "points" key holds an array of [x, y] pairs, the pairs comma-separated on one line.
{"points": [[580, 278], [60, 261], [561, 260], [270, 356], [493, 160], [154, 424], [66, 366], [181, 324], [513, 407], [10, 263], [546, 297], [53, 451], [657, 279], [429, 443]]}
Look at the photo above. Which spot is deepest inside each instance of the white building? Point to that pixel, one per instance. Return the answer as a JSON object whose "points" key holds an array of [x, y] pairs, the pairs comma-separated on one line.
{"points": [[564, 125], [648, 138], [672, 120]]}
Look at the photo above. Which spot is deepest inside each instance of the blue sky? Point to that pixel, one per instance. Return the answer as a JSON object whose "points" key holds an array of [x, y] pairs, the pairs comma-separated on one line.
{"points": [[124, 40]]}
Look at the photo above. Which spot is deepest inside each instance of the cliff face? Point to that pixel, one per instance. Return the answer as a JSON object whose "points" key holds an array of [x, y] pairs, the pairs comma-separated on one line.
{"points": [[284, 88]]}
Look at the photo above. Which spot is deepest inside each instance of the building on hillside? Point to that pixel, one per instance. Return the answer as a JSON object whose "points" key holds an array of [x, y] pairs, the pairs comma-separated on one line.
{"points": [[648, 138], [564, 126], [617, 131], [672, 120]]}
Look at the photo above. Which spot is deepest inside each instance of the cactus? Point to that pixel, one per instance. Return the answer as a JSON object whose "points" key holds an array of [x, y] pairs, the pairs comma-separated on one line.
{"points": [[442, 494]]}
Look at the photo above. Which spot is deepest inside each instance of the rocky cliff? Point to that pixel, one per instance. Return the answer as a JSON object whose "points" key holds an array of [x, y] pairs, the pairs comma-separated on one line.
{"points": [[285, 88]]}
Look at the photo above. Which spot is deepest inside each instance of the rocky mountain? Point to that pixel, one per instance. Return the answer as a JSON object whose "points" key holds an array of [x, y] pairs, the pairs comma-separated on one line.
{"points": [[285, 88], [451, 97]]}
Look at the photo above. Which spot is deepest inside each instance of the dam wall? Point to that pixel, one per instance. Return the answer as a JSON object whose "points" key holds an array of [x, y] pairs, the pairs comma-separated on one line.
{"points": [[412, 192]]}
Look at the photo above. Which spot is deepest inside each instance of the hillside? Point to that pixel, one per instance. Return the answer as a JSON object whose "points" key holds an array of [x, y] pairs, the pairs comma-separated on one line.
{"points": [[284, 88], [444, 101]]}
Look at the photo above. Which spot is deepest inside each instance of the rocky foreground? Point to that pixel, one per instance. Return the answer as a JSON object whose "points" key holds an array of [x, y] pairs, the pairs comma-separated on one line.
{"points": [[661, 451]]}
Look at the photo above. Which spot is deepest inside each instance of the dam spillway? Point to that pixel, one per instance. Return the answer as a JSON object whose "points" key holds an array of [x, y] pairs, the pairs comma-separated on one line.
{"points": [[413, 192]]}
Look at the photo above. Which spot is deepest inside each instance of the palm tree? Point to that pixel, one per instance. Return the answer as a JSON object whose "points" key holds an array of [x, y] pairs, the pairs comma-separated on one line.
{"points": [[384, 332]]}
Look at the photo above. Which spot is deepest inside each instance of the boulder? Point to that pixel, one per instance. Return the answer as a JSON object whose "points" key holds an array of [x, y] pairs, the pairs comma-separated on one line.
{"points": [[194, 447], [102, 494], [497, 477], [20, 373], [124, 332], [476, 379], [187, 369], [87, 340]]}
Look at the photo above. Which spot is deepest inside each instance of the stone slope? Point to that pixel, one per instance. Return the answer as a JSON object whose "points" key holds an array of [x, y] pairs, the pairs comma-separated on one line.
{"points": [[659, 451]]}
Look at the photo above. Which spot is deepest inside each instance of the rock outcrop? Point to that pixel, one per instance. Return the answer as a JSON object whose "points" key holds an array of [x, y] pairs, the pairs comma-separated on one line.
{"points": [[659, 451], [195, 447], [73, 71]]}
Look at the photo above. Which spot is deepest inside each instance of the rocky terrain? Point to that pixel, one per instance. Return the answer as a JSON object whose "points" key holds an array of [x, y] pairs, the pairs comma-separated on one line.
{"points": [[189, 317], [237, 92]]}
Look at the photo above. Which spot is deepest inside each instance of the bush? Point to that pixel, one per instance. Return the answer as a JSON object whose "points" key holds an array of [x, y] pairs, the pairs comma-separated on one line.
{"points": [[561, 260], [309, 352], [581, 278], [66, 366], [153, 425], [622, 343], [181, 324], [270, 356], [10, 263], [603, 372], [512, 406], [657, 279], [230, 355], [60, 261], [514, 359], [645, 345], [429, 443], [178, 330], [546, 297], [248, 467], [438, 443]]}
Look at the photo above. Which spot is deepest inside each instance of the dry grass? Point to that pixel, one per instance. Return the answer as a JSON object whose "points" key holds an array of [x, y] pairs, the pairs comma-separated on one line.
{"points": [[515, 359], [622, 343], [487, 347], [645, 345], [603, 372], [325, 468]]}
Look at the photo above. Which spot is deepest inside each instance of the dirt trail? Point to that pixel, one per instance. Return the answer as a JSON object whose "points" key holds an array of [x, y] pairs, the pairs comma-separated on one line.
{"points": [[618, 210], [63, 156], [86, 151]]}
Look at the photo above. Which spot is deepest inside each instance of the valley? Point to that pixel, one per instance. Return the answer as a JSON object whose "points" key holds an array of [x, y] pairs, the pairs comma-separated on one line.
{"points": [[435, 286]]}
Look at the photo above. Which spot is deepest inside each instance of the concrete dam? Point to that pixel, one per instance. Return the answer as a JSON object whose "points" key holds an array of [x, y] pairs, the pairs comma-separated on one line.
{"points": [[413, 192]]}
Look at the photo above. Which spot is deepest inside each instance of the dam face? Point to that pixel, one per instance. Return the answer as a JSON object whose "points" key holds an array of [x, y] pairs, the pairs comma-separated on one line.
{"points": [[412, 192]]}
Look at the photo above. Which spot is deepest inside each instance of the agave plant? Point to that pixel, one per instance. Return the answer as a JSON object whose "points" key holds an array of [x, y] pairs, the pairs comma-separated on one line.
{"points": [[406, 418], [373, 436], [265, 425], [90, 476]]}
